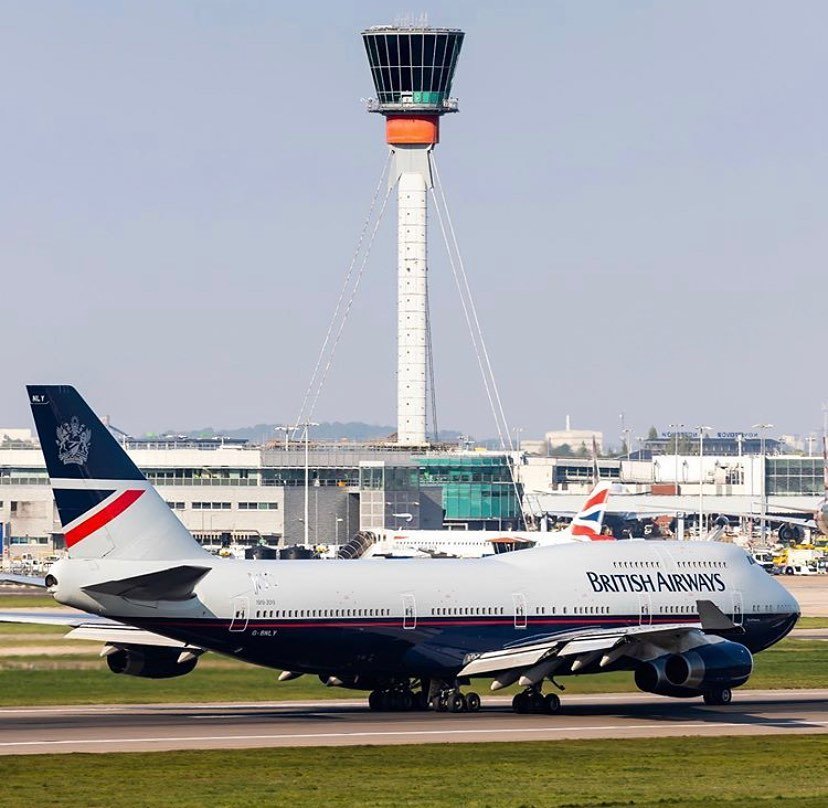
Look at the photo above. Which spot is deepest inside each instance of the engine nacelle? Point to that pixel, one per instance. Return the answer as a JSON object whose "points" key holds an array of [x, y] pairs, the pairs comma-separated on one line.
{"points": [[651, 678], [790, 534], [721, 664], [150, 663]]}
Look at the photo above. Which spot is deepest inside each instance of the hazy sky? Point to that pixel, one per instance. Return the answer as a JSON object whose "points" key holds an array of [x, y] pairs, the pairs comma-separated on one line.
{"points": [[639, 189]]}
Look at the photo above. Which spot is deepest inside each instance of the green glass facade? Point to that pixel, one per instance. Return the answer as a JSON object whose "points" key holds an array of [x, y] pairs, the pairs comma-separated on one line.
{"points": [[475, 489], [794, 475]]}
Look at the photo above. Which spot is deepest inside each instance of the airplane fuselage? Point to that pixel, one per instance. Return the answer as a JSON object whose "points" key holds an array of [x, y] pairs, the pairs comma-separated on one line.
{"points": [[388, 618]]}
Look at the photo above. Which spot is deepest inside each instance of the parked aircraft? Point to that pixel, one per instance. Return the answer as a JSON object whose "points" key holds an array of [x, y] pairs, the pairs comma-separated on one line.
{"points": [[586, 525], [686, 618]]}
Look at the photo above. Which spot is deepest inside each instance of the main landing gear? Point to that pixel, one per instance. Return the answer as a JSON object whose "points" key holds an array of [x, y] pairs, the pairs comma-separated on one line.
{"points": [[532, 700], [453, 701], [397, 699], [442, 697]]}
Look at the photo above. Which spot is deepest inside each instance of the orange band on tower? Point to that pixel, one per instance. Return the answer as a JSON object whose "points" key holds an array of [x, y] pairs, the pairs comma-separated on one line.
{"points": [[412, 129]]}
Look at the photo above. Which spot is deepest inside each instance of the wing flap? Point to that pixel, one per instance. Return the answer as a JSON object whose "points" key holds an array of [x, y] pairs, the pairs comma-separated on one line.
{"points": [[587, 641]]}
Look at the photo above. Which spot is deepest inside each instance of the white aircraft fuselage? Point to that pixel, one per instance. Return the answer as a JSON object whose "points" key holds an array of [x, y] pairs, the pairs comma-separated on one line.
{"points": [[423, 617]]}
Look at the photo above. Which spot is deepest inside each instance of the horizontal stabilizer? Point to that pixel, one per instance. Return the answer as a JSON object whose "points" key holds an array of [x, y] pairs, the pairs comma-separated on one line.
{"points": [[119, 635], [23, 580], [712, 617], [176, 583]]}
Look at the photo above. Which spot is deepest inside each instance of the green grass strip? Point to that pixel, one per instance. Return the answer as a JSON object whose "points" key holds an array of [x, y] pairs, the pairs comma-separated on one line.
{"points": [[697, 772], [38, 680]]}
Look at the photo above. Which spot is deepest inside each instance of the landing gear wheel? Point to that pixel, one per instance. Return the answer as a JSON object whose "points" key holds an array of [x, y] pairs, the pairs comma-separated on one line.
{"points": [[406, 700], [552, 704], [456, 703], [420, 700], [721, 695], [440, 704], [536, 702], [375, 700], [472, 702], [520, 703]]}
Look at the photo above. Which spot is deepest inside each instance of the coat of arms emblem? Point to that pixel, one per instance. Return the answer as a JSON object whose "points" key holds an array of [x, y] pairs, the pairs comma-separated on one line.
{"points": [[73, 439]]}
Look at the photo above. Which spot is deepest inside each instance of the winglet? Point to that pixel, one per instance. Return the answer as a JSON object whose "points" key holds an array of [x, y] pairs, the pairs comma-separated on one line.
{"points": [[712, 617]]}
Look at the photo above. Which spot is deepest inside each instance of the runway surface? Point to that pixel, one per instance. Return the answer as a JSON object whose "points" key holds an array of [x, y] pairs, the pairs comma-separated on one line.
{"points": [[157, 727]]}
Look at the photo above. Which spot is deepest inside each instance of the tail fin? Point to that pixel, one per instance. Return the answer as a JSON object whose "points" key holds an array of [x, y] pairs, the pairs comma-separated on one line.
{"points": [[589, 521], [106, 505]]}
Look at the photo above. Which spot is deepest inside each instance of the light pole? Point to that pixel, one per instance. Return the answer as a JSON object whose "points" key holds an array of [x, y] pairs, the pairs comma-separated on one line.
{"points": [[702, 430], [676, 428], [307, 425], [287, 429], [764, 508], [517, 430]]}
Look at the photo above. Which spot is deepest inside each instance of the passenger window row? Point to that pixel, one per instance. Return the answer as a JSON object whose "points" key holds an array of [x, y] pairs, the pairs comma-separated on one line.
{"points": [[322, 613], [701, 564]]}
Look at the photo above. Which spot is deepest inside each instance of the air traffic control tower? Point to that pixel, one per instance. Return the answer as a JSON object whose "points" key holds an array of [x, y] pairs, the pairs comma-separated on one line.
{"points": [[412, 69]]}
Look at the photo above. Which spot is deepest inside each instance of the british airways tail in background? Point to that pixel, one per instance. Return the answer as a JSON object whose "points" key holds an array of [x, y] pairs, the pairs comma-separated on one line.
{"points": [[589, 521]]}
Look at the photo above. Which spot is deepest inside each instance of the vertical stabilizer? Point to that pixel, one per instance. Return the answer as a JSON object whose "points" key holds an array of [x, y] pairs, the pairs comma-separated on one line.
{"points": [[106, 505], [589, 521]]}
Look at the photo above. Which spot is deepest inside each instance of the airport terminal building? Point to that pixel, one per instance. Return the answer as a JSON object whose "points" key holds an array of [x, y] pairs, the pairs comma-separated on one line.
{"points": [[225, 489]]}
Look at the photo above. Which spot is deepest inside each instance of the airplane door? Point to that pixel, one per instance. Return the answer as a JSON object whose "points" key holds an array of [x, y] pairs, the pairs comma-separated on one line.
{"points": [[241, 614], [738, 608], [645, 610], [409, 611], [520, 609]]}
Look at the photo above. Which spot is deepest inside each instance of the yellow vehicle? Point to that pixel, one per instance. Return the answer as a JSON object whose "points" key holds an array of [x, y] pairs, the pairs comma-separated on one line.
{"points": [[801, 559]]}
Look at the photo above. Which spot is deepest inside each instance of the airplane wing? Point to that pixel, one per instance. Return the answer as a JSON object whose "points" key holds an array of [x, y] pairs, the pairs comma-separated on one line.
{"points": [[578, 649]]}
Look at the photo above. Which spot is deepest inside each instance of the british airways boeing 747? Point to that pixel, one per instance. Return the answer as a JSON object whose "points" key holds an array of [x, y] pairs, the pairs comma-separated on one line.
{"points": [[685, 618]]}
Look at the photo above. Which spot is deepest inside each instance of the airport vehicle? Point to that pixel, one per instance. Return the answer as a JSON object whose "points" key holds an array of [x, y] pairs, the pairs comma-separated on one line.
{"points": [[685, 617], [586, 525], [797, 560]]}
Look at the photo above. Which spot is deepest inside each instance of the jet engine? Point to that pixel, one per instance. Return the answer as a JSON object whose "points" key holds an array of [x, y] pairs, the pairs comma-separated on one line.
{"points": [[150, 663], [791, 534], [722, 664]]}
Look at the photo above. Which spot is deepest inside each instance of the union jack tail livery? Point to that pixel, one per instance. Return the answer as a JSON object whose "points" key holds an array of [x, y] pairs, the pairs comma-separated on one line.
{"points": [[589, 521], [106, 505]]}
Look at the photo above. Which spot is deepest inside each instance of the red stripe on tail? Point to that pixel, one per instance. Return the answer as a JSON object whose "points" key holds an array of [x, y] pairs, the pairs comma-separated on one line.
{"points": [[102, 517]]}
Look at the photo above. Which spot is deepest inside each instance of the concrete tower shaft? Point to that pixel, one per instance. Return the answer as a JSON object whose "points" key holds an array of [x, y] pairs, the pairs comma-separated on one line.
{"points": [[412, 305], [412, 69]]}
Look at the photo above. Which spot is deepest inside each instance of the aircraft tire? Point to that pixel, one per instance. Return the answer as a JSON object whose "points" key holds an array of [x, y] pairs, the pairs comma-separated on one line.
{"points": [[552, 704], [719, 696], [456, 703], [537, 704], [375, 701], [406, 700], [440, 704], [421, 700], [520, 703], [472, 702]]}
